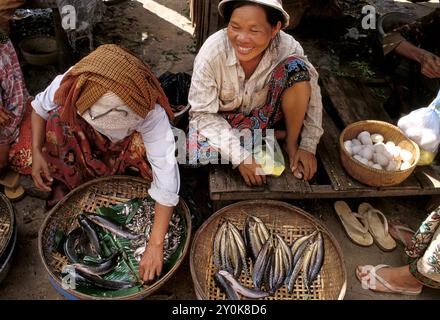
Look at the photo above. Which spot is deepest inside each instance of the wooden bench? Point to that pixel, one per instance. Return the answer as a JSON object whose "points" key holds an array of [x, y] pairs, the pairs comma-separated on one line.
{"points": [[346, 100]]}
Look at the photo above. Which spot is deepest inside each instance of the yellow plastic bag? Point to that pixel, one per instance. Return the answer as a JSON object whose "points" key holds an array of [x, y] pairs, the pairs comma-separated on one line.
{"points": [[270, 157], [426, 157]]}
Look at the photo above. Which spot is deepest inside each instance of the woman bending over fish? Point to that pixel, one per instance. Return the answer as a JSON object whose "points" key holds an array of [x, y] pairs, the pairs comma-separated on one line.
{"points": [[108, 115], [251, 75]]}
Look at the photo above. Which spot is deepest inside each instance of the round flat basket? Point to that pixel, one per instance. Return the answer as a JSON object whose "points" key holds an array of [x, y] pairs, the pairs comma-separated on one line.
{"points": [[290, 223], [99, 193], [371, 176], [7, 223]]}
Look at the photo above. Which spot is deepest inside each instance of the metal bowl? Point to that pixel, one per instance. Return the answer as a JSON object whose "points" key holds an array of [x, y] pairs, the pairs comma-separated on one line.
{"points": [[392, 20], [39, 50]]}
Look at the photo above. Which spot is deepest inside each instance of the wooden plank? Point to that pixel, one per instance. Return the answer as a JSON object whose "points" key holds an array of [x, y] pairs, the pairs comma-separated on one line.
{"points": [[352, 100], [428, 176], [328, 152], [323, 192]]}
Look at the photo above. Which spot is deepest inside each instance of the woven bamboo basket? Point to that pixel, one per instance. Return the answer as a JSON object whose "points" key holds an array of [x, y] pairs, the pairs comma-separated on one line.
{"points": [[371, 176], [288, 221], [101, 192], [7, 222]]}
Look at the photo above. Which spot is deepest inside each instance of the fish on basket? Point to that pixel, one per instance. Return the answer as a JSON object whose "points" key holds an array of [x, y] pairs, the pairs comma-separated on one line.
{"points": [[274, 262]]}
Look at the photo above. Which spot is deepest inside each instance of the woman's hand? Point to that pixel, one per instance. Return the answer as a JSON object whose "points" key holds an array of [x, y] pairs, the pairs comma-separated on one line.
{"points": [[40, 172], [152, 262], [430, 66], [5, 116], [302, 163], [252, 173]]}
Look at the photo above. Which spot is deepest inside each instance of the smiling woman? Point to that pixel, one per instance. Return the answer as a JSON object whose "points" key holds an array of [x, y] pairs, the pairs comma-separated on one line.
{"points": [[251, 75]]}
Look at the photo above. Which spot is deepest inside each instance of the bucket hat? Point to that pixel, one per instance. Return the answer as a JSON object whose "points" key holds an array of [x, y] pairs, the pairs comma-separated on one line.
{"points": [[276, 4]]}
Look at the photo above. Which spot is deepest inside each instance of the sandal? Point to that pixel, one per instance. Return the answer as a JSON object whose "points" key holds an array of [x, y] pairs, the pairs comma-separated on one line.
{"points": [[377, 226], [369, 281], [355, 230], [396, 231], [15, 194]]}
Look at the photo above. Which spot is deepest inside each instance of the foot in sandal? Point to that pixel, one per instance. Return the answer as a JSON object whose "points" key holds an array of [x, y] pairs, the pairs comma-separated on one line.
{"points": [[386, 279], [356, 231], [377, 226]]}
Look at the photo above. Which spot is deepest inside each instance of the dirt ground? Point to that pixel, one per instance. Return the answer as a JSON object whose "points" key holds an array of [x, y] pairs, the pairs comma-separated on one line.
{"points": [[169, 48]]}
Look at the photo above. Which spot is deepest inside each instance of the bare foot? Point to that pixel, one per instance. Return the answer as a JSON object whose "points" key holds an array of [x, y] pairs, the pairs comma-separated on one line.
{"points": [[399, 278]]}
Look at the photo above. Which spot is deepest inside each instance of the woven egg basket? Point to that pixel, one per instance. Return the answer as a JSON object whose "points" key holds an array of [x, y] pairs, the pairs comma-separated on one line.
{"points": [[7, 218], [101, 192], [371, 176], [290, 223]]}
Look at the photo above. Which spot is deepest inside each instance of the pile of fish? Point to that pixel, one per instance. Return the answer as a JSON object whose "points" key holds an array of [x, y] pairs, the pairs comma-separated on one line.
{"points": [[142, 223], [85, 241], [275, 263]]}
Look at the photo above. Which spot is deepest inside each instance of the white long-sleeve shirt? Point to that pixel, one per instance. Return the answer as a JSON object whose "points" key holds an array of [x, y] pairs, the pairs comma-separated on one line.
{"points": [[156, 134], [218, 85]]}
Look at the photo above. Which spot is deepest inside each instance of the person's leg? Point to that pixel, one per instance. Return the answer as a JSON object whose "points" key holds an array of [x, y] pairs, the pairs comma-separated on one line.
{"points": [[400, 278], [426, 269], [4, 155]]}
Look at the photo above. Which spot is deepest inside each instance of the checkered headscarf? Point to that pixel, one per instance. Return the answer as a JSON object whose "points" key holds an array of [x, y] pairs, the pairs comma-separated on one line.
{"points": [[110, 68]]}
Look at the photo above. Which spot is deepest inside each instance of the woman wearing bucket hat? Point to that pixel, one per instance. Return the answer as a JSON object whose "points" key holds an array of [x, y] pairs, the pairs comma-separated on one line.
{"points": [[251, 75]]}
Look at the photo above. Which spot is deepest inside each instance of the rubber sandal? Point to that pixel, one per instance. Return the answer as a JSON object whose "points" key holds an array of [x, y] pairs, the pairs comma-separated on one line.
{"points": [[355, 230], [369, 281], [398, 230], [377, 226], [15, 194]]}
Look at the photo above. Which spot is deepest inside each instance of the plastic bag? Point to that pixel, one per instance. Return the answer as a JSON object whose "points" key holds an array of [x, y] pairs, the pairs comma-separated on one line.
{"points": [[423, 127], [176, 87], [270, 156]]}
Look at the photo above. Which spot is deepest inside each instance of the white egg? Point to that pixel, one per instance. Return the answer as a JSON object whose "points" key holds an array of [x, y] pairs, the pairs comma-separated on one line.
{"points": [[366, 140], [393, 165], [360, 159], [380, 159], [371, 163], [379, 148], [390, 144], [355, 142], [363, 134], [377, 138], [406, 155], [366, 153], [390, 149], [405, 165], [377, 166], [347, 146], [356, 149], [396, 153]]}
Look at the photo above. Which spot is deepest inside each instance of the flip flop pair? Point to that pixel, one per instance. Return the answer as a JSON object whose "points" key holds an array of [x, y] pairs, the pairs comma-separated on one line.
{"points": [[371, 278], [365, 227]]}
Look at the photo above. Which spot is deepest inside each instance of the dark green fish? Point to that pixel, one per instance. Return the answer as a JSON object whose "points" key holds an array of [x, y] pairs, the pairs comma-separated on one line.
{"points": [[71, 243], [101, 268], [114, 228], [91, 233], [225, 286]]}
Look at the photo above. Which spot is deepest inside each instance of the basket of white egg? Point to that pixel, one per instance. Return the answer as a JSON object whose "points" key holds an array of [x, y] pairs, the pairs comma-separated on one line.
{"points": [[377, 153]]}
